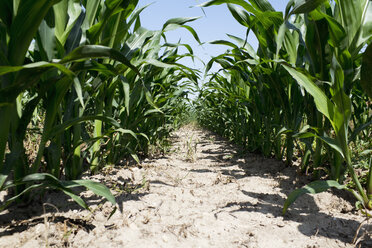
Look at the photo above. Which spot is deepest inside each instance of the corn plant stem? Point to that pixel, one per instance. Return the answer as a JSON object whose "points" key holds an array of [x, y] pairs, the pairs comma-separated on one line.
{"points": [[341, 136], [19, 165], [268, 134], [355, 179], [108, 105], [318, 116], [97, 133], [77, 161], [5, 116], [369, 182], [55, 169], [318, 144], [337, 162], [51, 111], [110, 95], [289, 147]]}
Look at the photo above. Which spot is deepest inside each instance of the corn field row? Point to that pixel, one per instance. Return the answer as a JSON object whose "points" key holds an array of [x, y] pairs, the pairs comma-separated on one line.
{"points": [[86, 83], [305, 92], [83, 85]]}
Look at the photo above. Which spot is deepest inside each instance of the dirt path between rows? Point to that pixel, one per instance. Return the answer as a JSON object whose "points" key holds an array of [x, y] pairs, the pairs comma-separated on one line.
{"points": [[204, 193]]}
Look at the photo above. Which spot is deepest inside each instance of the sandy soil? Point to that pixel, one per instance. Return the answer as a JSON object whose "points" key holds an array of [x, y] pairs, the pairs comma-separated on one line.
{"points": [[204, 193]]}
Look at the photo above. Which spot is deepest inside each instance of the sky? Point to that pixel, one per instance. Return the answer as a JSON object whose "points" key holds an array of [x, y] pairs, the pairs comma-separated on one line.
{"points": [[213, 25]]}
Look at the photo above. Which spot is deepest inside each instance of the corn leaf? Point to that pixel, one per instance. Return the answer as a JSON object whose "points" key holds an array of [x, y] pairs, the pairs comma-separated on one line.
{"points": [[323, 104], [305, 6], [66, 14], [96, 51], [96, 188], [311, 188], [67, 124], [8, 69], [334, 143], [24, 27], [356, 17]]}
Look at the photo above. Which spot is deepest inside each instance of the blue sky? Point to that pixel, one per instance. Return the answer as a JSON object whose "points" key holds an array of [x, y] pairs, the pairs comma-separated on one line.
{"points": [[213, 26]]}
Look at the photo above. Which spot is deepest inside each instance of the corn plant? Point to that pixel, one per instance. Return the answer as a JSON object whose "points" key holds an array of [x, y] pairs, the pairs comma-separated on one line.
{"points": [[98, 81], [306, 84], [273, 104], [35, 71], [349, 31]]}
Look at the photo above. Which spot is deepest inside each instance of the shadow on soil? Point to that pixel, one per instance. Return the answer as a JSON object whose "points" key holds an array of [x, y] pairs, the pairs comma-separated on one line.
{"points": [[53, 204], [304, 211]]}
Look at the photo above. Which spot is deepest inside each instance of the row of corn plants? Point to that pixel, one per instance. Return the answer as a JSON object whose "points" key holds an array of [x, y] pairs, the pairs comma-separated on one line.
{"points": [[89, 85], [305, 92]]}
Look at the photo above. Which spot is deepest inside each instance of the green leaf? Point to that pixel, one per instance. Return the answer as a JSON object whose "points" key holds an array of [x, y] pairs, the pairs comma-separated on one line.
{"points": [[137, 41], [158, 63], [242, 3], [12, 199], [39, 177], [96, 51], [79, 91], [365, 30], [193, 33], [323, 104], [223, 42], [91, 9], [126, 88], [240, 15], [71, 122], [46, 41], [178, 21], [66, 14], [24, 27], [149, 99], [112, 7], [133, 155], [244, 44], [64, 186], [260, 10], [47, 180], [311, 188], [175, 23], [356, 18], [29, 76], [97, 188], [334, 143], [61, 17], [305, 6], [8, 69], [280, 38], [76, 198], [126, 131], [262, 5]]}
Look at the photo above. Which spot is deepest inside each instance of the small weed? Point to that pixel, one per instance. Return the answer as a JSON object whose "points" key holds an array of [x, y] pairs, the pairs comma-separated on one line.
{"points": [[130, 187], [211, 139], [191, 149]]}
